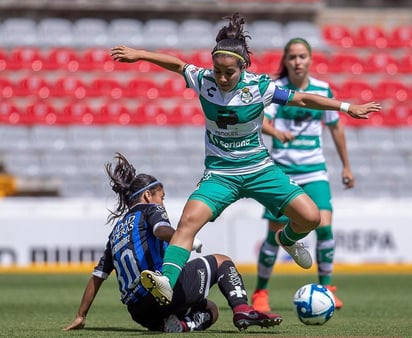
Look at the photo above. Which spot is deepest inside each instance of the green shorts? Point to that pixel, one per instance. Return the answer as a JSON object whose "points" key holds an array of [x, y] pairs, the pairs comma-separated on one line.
{"points": [[318, 191], [270, 186]]}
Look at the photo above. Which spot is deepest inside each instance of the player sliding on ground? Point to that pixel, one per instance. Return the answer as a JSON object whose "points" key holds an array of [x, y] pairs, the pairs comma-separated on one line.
{"points": [[238, 164]]}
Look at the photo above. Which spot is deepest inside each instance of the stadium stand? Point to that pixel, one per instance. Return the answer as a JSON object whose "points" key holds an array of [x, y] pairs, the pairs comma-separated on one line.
{"points": [[66, 107]]}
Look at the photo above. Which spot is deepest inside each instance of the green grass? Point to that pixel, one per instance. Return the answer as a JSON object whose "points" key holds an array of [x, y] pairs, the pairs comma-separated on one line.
{"points": [[40, 305]]}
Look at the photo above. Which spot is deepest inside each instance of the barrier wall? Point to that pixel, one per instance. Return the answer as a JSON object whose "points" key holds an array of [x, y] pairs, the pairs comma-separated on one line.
{"points": [[74, 230]]}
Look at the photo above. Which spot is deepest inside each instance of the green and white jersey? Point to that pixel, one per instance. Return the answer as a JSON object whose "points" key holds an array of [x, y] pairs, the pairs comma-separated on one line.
{"points": [[233, 136], [302, 158]]}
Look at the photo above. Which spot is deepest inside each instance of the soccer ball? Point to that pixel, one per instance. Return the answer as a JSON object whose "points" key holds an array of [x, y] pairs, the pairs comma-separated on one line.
{"points": [[314, 304]]}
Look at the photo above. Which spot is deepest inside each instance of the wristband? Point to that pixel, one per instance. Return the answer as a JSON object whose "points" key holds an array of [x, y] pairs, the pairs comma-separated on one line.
{"points": [[344, 106]]}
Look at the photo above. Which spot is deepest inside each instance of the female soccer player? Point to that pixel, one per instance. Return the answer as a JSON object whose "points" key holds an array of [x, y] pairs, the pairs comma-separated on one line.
{"points": [[297, 149], [238, 164], [138, 242]]}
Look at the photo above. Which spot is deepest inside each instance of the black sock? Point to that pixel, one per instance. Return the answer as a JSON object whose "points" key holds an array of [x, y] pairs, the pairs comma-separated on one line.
{"points": [[231, 284]]}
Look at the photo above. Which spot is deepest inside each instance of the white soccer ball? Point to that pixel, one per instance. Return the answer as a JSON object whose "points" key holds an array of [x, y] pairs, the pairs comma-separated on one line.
{"points": [[314, 304]]}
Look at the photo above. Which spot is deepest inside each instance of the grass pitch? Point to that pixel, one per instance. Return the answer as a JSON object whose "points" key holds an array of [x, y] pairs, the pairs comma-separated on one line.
{"points": [[40, 305]]}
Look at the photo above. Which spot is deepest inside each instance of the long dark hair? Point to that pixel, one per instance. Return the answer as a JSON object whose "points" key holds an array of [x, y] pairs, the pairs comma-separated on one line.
{"points": [[127, 185], [232, 39], [283, 71]]}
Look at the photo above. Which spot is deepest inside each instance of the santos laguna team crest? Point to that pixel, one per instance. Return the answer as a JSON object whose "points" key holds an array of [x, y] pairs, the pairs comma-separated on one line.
{"points": [[246, 96]]}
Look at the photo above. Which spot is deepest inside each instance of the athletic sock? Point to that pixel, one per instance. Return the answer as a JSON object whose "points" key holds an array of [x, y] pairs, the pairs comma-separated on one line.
{"points": [[325, 249], [174, 260], [288, 237], [231, 284], [267, 258]]}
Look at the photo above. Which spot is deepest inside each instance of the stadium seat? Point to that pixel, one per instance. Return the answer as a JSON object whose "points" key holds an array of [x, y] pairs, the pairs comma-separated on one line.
{"points": [[32, 85], [356, 90], [150, 112], [320, 63], [201, 58], [405, 63], [391, 90], [306, 30], [125, 31], [195, 33], [114, 112], [187, 112], [160, 33], [10, 113], [400, 36], [105, 87], [6, 87], [79, 112], [266, 34], [173, 87], [43, 112], [97, 59], [381, 63], [28, 58], [346, 62], [370, 36], [269, 61], [62, 58], [54, 32], [338, 35], [70, 87], [89, 32], [141, 87], [18, 32]]}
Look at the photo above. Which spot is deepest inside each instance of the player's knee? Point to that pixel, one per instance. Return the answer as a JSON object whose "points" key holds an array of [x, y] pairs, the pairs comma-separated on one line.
{"points": [[221, 258]]}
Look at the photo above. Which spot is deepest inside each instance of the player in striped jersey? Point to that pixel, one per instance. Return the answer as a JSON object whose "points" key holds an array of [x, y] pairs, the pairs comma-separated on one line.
{"points": [[297, 149], [138, 241], [238, 165]]}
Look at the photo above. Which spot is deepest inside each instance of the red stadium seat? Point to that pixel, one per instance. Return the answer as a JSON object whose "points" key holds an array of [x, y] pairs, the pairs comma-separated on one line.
{"points": [[151, 112], [201, 58], [3, 59], [25, 58], [370, 36], [405, 63], [105, 87], [346, 63], [402, 113], [97, 59], [356, 90], [320, 63], [338, 35], [141, 88], [80, 112], [11, 114], [33, 85], [391, 90], [176, 87], [69, 86], [62, 58], [188, 112], [381, 63], [6, 87], [400, 36], [269, 61], [42, 112], [115, 112]]}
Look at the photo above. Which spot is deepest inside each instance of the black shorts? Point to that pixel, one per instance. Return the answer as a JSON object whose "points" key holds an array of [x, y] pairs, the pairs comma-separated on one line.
{"points": [[190, 292]]}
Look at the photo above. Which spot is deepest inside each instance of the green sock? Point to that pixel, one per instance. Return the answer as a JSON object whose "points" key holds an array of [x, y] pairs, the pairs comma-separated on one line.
{"points": [[174, 260], [288, 237], [267, 257], [325, 249]]}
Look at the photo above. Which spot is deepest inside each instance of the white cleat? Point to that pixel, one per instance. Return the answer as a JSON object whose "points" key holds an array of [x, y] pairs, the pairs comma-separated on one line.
{"points": [[158, 285], [298, 252]]}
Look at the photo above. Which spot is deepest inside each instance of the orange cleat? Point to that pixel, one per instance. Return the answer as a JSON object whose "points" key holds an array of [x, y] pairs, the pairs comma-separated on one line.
{"points": [[338, 302], [260, 300]]}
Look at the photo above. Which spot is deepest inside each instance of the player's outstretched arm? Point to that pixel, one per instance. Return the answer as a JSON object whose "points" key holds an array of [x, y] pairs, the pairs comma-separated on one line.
{"points": [[126, 54], [89, 294], [314, 101]]}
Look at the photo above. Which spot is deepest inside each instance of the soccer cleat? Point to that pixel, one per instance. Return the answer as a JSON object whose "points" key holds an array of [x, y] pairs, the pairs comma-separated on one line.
{"points": [[260, 300], [158, 285], [174, 324], [242, 320], [297, 251], [338, 302]]}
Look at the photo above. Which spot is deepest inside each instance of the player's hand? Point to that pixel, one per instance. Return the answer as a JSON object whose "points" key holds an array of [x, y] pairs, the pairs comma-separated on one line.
{"points": [[78, 323], [284, 136], [361, 111], [348, 180], [197, 245], [124, 54]]}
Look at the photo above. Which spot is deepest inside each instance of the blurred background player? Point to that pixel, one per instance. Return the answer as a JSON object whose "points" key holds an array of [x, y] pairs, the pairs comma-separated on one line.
{"points": [[297, 149], [138, 241]]}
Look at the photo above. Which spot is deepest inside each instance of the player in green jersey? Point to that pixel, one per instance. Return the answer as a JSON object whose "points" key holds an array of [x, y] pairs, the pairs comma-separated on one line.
{"points": [[297, 149], [237, 163]]}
